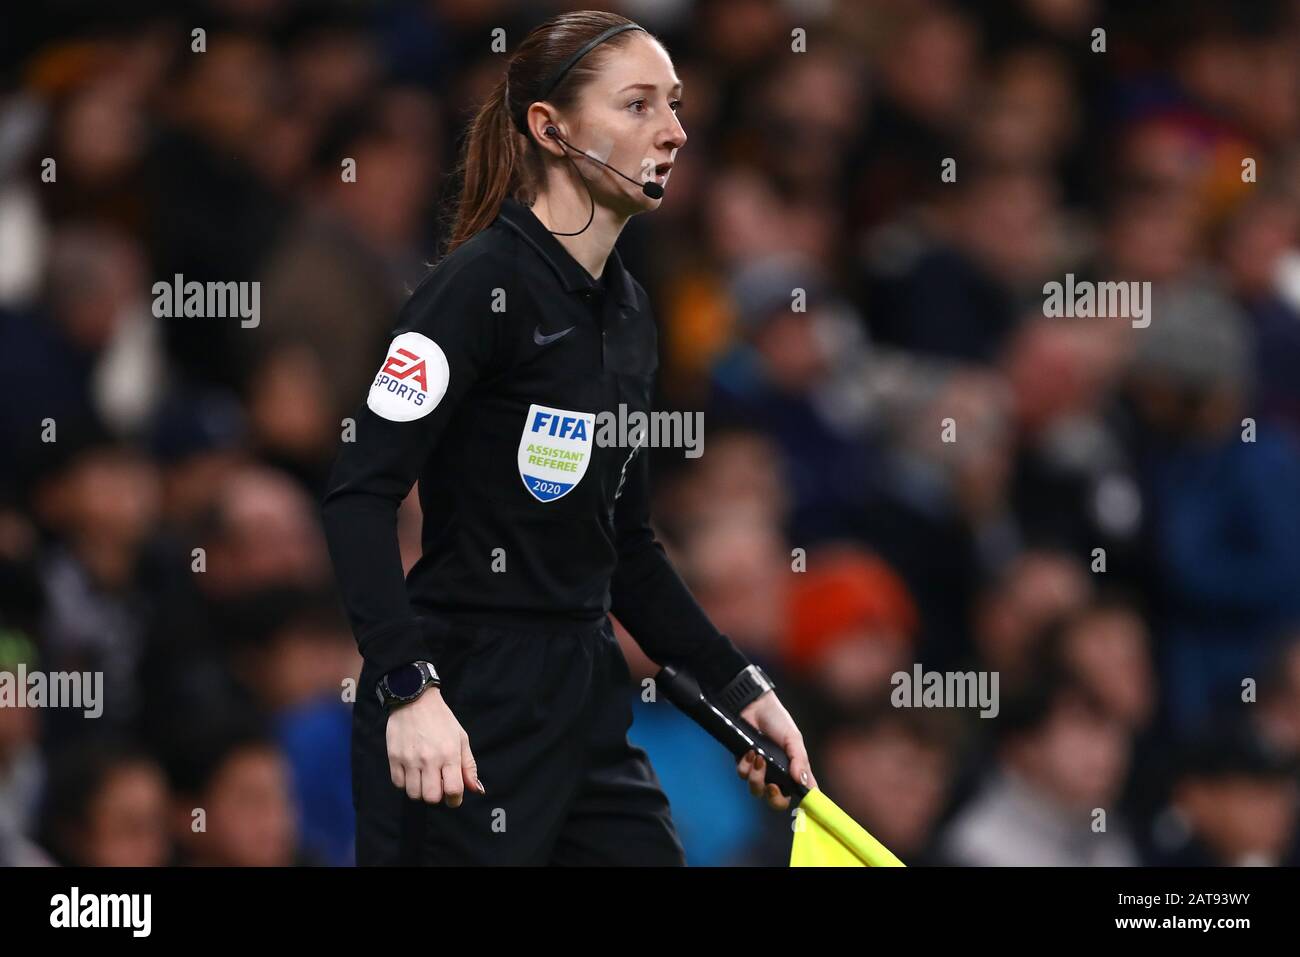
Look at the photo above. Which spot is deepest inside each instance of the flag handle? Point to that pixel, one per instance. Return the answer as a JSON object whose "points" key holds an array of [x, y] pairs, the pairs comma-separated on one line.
{"points": [[731, 731]]}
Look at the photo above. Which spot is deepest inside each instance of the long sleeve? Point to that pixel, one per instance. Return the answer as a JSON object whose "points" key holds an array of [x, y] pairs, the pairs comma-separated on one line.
{"points": [[445, 341], [652, 601]]}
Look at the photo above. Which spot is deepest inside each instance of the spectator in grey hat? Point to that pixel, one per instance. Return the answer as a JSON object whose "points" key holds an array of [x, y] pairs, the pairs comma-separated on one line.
{"points": [[1199, 341], [784, 380], [766, 286]]}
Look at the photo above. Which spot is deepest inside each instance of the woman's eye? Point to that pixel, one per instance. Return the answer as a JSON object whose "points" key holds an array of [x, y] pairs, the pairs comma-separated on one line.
{"points": [[638, 106]]}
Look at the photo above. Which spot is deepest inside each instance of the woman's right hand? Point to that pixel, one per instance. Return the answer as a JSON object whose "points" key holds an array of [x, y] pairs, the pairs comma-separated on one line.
{"points": [[428, 751]]}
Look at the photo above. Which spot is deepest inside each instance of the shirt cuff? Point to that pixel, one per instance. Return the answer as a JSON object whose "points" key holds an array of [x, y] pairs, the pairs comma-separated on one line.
{"points": [[717, 664], [416, 639]]}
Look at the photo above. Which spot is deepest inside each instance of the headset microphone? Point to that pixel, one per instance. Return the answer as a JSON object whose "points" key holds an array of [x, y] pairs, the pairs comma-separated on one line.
{"points": [[651, 189]]}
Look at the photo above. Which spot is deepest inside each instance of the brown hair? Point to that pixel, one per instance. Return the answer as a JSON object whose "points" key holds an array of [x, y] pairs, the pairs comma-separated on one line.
{"points": [[499, 160]]}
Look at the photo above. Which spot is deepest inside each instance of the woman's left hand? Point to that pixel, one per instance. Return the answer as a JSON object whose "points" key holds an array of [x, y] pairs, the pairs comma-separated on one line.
{"points": [[768, 715]]}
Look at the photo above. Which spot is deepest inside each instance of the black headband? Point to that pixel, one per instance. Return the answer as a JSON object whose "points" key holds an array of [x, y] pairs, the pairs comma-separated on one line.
{"points": [[554, 79]]}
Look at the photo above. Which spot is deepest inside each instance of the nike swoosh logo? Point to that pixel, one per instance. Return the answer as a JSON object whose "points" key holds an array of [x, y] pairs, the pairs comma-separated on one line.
{"points": [[542, 340]]}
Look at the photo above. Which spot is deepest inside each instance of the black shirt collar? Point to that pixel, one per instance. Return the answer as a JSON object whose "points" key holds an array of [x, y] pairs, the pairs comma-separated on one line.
{"points": [[570, 272]]}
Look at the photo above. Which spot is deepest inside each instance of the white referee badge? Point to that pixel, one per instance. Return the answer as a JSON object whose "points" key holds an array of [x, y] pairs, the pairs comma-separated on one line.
{"points": [[554, 451], [412, 380]]}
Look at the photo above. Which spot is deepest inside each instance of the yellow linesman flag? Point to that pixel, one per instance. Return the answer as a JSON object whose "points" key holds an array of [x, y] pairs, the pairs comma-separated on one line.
{"points": [[824, 836]]}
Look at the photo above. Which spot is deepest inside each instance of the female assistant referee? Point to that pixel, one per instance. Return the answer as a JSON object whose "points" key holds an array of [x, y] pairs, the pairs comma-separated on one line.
{"points": [[496, 657]]}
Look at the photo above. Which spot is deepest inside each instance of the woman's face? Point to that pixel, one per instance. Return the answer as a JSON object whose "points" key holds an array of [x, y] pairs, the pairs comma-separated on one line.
{"points": [[627, 116]]}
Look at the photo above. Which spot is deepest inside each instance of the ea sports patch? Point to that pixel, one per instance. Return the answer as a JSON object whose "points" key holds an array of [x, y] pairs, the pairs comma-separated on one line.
{"points": [[554, 451], [412, 380]]}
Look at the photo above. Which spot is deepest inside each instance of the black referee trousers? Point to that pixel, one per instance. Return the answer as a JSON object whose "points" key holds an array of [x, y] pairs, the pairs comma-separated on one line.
{"points": [[547, 714]]}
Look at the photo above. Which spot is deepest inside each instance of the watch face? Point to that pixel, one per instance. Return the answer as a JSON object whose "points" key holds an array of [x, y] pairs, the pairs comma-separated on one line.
{"points": [[405, 681]]}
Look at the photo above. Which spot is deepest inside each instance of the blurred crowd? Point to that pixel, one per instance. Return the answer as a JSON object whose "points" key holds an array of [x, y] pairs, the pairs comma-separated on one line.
{"points": [[918, 468]]}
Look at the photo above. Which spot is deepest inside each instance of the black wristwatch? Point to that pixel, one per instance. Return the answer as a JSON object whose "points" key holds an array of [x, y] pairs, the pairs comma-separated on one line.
{"points": [[744, 688], [406, 683]]}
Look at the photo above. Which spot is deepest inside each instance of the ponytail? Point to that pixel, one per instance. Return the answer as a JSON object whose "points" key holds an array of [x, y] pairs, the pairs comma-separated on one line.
{"points": [[490, 167]]}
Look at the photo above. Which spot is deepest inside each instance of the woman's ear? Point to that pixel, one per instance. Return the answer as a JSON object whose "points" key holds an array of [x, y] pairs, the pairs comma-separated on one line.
{"points": [[544, 129]]}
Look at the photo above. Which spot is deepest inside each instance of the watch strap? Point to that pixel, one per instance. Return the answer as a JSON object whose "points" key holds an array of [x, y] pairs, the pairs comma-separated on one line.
{"points": [[746, 687]]}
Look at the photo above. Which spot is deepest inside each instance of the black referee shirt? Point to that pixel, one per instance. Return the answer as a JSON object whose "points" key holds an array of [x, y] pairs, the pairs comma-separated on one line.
{"points": [[489, 394]]}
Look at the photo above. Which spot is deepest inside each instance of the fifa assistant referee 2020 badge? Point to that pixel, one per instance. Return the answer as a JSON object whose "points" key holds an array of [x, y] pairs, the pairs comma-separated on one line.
{"points": [[554, 450]]}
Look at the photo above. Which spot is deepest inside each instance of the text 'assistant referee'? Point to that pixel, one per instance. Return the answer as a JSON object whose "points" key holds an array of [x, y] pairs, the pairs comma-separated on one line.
{"points": [[554, 450]]}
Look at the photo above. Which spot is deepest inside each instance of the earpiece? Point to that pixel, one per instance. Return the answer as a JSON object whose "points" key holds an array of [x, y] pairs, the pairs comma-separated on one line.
{"points": [[552, 132]]}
